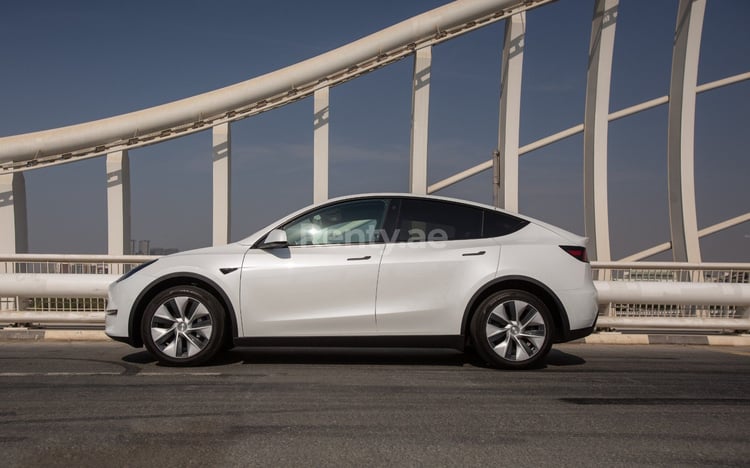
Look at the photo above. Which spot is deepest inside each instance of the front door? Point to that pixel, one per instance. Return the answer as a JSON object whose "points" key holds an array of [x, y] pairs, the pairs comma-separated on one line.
{"points": [[324, 283]]}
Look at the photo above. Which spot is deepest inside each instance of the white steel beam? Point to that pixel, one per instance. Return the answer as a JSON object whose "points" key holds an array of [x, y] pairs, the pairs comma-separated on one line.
{"points": [[222, 177], [118, 203], [21, 316], [281, 86], [680, 138], [505, 167], [13, 222], [676, 323], [320, 144], [673, 292], [420, 113], [55, 285], [595, 128], [737, 220], [575, 130], [624, 292]]}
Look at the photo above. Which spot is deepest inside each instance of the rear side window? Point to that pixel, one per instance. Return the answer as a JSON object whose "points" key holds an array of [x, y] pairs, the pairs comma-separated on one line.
{"points": [[424, 220], [498, 224]]}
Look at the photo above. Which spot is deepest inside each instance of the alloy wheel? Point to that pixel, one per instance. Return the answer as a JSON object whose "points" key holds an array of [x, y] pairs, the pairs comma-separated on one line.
{"points": [[181, 327], [515, 330]]}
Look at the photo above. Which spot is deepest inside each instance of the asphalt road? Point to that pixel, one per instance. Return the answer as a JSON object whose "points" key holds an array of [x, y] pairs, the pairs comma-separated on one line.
{"points": [[105, 404]]}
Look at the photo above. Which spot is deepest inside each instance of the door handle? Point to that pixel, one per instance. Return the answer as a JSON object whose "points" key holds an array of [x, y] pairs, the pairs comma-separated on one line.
{"points": [[473, 254], [366, 257]]}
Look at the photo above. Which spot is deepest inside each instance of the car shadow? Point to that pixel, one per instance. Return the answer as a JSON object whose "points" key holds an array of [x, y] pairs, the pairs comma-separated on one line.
{"points": [[356, 356], [561, 358], [330, 356], [377, 356], [141, 357]]}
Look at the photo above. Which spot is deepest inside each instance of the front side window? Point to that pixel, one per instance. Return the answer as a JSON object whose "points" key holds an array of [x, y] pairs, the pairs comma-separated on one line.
{"points": [[352, 222]]}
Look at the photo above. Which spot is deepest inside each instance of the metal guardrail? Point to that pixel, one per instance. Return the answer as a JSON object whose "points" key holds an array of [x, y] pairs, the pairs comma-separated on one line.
{"points": [[71, 264], [716, 296], [708, 296], [59, 288]]}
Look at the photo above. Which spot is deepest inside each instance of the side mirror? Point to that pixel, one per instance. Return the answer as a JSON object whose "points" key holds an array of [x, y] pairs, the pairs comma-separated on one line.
{"points": [[275, 239]]}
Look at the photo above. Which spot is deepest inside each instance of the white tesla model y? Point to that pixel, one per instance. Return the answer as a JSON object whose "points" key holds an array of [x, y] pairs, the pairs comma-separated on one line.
{"points": [[392, 270]]}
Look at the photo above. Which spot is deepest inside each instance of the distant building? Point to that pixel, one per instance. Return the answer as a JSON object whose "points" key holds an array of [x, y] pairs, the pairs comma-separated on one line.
{"points": [[143, 247]]}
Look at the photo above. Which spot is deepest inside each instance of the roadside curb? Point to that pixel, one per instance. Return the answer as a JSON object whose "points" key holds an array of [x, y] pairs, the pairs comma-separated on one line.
{"points": [[662, 339], [20, 334], [607, 338]]}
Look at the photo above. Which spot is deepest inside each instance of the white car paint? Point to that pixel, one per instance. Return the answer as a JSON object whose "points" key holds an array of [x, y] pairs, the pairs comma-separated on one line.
{"points": [[422, 286], [310, 290], [375, 290]]}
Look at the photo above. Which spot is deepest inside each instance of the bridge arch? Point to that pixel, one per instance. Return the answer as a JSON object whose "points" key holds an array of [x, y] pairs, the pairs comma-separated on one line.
{"points": [[113, 137]]}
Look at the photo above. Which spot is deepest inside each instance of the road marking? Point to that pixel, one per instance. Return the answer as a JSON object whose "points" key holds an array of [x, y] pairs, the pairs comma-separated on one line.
{"points": [[55, 374], [728, 351], [168, 374], [90, 374], [736, 353]]}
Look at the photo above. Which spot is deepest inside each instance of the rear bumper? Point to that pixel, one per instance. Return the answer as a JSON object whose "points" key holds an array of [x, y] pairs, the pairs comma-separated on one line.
{"points": [[570, 335], [582, 311]]}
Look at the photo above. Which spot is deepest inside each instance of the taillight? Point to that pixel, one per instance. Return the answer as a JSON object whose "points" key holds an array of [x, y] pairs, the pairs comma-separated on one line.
{"points": [[578, 252]]}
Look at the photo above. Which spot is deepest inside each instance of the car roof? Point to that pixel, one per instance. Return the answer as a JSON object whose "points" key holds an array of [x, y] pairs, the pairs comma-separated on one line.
{"points": [[408, 195], [254, 237]]}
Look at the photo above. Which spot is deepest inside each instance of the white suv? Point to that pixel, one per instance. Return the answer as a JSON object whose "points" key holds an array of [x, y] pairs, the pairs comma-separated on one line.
{"points": [[367, 270]]}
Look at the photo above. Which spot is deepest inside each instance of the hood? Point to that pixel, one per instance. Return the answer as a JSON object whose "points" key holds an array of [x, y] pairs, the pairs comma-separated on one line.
{"points": [[214, 250]]}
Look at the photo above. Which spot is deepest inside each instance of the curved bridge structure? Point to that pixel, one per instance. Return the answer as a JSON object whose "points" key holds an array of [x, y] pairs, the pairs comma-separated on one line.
{"points": [[413, 38]]}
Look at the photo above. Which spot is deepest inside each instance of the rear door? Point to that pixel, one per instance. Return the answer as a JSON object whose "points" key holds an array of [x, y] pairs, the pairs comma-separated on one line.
{"points": [[436, 260]]}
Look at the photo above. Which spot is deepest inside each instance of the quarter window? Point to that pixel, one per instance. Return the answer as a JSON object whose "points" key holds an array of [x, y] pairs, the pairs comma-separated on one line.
{"points": [[430, 220], [498, 224]]}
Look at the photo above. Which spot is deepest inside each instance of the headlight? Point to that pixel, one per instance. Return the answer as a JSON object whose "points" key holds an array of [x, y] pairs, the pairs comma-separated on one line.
{"points": [[134, 271]]}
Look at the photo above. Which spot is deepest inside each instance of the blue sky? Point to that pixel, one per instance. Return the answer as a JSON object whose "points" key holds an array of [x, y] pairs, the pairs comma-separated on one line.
{"points": [[70, 62]]}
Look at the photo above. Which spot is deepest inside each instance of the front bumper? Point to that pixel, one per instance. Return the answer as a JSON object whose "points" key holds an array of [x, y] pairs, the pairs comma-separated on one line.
{"points": [[120, 307]]}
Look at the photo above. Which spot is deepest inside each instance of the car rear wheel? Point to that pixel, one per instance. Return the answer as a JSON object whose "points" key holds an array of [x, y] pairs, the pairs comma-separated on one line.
{"points": [[512, 329], [183, 326]]}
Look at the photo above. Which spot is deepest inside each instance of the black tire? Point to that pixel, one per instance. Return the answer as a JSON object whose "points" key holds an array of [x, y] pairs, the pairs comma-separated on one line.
{"points": [[183, 326], [509, 338]]}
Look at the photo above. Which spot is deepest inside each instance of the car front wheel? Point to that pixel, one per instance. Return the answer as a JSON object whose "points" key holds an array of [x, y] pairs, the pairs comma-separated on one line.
{"points": [[183, 326], [512, 329]]}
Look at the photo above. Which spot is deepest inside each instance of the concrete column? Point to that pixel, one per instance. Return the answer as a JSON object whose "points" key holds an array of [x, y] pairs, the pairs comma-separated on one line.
{"points": [[595, 129], [118, 203], [505, 163], [14, 237], [320, 145], [683, 220], [222, 168], [420, 113]]}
